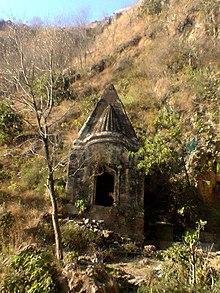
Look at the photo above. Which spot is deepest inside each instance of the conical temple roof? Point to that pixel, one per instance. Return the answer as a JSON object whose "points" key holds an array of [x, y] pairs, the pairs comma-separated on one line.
{"points": [[109, 117], [108, 121]]}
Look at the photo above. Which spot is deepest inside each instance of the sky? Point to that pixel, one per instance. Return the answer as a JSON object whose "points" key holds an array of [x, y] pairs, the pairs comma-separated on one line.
{"points": [[59, 11]]}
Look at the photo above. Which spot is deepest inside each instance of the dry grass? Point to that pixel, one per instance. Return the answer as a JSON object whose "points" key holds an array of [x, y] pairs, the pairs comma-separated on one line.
{"points": [[148, 80]]}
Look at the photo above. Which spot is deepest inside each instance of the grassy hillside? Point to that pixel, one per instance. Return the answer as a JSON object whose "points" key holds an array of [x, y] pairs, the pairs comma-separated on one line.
{"points": [[162, 57]]}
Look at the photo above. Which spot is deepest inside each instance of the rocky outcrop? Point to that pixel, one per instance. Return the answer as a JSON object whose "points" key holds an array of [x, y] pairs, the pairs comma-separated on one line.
{"points": [[134, 42], [89, 276]]}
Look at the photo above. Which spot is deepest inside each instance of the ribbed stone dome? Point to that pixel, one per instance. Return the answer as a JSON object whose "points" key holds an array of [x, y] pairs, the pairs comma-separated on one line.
{"points": [[108, 117], [108, 121]]}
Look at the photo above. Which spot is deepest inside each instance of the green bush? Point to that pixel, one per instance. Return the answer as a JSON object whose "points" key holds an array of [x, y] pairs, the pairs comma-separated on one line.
{"points": [[182, 59], [80, 204], [186, 268], [10, 124], [129, 247], [6, 224], [151, 7], [5, 174], [6, 219], [45, 233], [31, 271], [33, 176], [79, 239]]}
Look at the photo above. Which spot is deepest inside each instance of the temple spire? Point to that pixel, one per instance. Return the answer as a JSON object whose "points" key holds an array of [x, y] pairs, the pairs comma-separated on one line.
{"points": [[108, 117], [108, 121]]}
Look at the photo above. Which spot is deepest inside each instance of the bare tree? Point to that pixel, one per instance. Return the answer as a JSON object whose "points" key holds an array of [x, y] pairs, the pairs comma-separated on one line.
{"points": [[83, 36], [30, 70]]}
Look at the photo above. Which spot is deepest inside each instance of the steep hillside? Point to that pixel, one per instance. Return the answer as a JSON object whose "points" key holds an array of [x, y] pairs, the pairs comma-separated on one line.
{"points": [[150, 55], [163, 59], [155, 53]]}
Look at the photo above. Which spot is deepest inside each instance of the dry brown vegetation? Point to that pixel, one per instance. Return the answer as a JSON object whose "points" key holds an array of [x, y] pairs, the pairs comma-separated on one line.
{"points": [[152, 59]]}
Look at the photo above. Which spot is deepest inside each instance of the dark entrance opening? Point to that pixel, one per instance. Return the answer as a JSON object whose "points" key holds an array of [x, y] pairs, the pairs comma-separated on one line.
{"points": [[104, 188]]}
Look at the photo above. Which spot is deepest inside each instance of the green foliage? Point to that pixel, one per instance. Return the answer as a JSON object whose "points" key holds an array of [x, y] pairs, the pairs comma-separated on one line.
{"points": [[71, 256], [61, 90], [6, 219], [187, 266], [162, 158], [10, 124], [44, 233], [60, 85], [129, 247], [183, 147], [217, 167], [80, 204], [151, 7], [5, 174], [31, 271], [5, 196], [180, 60], [33, 175], [60, 189], [163, 150], [123, 69], [79, 239], [205, 84], [6, 223], [88, 104]]}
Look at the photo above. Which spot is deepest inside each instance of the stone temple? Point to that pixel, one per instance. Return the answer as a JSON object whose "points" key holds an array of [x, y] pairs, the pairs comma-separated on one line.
{"points": [[102, 170]]}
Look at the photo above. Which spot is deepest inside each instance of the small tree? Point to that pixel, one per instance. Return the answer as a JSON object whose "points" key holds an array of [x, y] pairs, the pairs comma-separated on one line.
{"points": [[187, 266], [32, 71], [163, 155], [184, 145]]}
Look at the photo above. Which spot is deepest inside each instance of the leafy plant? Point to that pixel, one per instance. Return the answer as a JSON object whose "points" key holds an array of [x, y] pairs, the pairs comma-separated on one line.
{"points": [[31, 271], [186, 268], [44, 233], [78, 238], [187, 264], [10, 124], [162, 159], [32, 176], [179, 154], [6, 222], [206, 85], [6, 219], [129, 247], [80, 204], [5, 174], [151, 7], [163, 151]]}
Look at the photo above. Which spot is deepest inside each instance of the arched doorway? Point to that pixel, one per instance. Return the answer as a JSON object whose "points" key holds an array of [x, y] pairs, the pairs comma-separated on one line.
{"points": [[105, 184]]}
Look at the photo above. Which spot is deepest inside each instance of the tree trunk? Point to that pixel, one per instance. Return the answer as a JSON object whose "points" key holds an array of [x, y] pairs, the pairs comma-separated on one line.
{"points": [[55, 220], [50, 185]]}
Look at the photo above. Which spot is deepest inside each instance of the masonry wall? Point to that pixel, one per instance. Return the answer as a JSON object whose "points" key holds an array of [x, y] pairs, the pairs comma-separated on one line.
{"points": [[113, 157]]}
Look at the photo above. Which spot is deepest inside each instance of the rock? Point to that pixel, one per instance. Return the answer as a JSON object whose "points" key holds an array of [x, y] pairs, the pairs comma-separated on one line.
{"points": [[144, 262], [158, 271], [149, 249], [188, 22], [86, 221], [131, 43], [99, 67], [92, 279], [70, 210]]}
